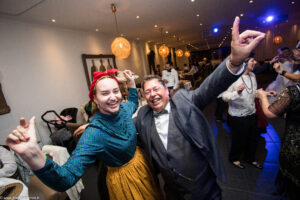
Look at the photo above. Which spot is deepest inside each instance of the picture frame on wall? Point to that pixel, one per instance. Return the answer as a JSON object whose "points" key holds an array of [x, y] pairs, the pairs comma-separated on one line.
{"points": [[4, 108], [93, 63]]}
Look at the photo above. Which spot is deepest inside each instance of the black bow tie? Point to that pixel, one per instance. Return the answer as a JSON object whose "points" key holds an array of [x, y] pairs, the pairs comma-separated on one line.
{"points": [[156, 114]]}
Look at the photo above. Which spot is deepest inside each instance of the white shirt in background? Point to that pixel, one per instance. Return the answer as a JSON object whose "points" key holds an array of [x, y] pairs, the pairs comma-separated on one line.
{"points": [[242, 104], [171, 77]]}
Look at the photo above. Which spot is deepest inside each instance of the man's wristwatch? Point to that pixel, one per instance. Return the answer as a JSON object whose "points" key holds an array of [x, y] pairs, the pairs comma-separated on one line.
{"points": [[233, 65], [283, 73]]}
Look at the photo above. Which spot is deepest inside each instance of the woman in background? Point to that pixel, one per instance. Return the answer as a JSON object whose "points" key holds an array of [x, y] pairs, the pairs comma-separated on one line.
{"points": [[288, 178]]}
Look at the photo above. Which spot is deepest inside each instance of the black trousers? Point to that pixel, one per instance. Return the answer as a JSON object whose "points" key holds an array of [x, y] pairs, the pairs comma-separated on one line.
{"points": [[221, 106], [244, 137]]}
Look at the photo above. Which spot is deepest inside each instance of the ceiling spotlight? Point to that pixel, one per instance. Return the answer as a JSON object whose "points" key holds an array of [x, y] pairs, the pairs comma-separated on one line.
{"points": [[137, 17], [201, 24], [215, 30], [97, 30], [241, 14], [192, 0], [269, 18], [293, 2], [250, 1], [167, 32], [198, 15], [155, 26], [53, 20]]}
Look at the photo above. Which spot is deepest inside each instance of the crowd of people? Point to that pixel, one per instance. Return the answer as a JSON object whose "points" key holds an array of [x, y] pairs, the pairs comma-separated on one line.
{"points": [[170, 135]]}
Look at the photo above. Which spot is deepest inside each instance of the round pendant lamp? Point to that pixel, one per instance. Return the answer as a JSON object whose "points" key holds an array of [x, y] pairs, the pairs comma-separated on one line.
{"points": [[120, 47], [179, 53], [163, 51], [187, 54], [277, 39]]}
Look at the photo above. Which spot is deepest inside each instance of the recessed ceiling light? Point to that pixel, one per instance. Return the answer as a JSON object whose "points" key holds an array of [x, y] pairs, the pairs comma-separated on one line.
{"points": [[97, 30], [250, 1], [137, 17], [167, 31], [293, 2], [201, 24], [155, 26], [137, 38], [241, 14], [192, 0], [53, 20], [174, 35], [198, 15]]}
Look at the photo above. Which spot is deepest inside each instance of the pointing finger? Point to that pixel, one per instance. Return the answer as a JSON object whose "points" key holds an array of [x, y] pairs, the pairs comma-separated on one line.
{"points": [[23, 122], [31, 129], [235, 29], [256, 41]]}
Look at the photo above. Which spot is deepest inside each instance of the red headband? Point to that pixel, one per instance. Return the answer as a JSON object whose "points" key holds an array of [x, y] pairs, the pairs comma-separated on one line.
{"points": [[97, 76]]}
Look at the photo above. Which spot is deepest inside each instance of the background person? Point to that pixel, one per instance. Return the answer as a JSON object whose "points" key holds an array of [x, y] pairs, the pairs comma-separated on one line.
{"points": [[288, 102], [242, 117], [170, 77]]}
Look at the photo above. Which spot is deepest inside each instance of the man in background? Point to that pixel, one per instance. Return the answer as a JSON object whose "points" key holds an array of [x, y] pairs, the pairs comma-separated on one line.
{"points": [[170, 78]]}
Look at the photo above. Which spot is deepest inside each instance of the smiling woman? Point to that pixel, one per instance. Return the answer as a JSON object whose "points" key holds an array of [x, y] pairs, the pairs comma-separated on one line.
{"points": [[110, 138]]}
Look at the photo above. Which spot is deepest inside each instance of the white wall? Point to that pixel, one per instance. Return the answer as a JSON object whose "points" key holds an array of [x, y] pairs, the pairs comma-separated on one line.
{"points": [[41, 69]]}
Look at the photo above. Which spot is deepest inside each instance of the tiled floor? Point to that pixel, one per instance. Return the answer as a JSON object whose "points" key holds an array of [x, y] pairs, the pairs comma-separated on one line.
{"points": [[250, 183]]}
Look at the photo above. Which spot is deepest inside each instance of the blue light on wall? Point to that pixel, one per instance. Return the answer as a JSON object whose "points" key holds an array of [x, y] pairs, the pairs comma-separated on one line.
{"points": [[215, 30], [270, 18]]}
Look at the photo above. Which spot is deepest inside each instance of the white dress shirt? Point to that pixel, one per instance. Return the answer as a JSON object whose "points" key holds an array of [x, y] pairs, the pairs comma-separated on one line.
{"points": [[162, 125], [171, 77], [242, 104]]}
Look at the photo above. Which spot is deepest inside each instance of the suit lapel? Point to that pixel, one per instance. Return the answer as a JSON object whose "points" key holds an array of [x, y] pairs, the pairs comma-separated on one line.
{"points": [[146, 122], [180, 122]]}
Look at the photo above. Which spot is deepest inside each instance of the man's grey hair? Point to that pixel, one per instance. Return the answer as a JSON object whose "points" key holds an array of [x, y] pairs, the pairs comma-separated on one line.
{"points": [[151, 77]]}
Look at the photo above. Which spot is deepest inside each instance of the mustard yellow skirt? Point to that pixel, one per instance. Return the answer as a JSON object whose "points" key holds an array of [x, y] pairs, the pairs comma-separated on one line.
{"points": [[132, 181]]}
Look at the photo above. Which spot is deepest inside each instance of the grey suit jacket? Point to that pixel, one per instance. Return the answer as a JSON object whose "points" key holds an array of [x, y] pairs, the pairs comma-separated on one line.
{"points": [[186, 109]]}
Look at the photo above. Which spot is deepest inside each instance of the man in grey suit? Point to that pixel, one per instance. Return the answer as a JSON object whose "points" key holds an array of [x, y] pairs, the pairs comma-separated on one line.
{"points": [[176, 136]]}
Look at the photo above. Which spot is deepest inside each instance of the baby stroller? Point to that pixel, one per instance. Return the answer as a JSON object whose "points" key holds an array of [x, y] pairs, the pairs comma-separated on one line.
{"points": [[62, 136]]}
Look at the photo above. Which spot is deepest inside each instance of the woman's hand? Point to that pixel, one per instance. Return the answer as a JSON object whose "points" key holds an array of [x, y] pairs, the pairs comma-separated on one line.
{"points": [[23, 141], [78, 132], [261, 93], [130, 78], [271, 94], [240, 88], [276, 66], [24, 136], [275, 59]]}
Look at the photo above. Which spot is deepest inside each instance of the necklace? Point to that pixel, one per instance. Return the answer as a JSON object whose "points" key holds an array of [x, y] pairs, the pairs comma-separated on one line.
{"points": [[249, 90]]}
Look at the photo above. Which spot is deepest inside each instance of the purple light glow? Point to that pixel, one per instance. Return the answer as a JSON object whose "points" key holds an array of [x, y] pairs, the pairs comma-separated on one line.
{"points": [[269, 18]]}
